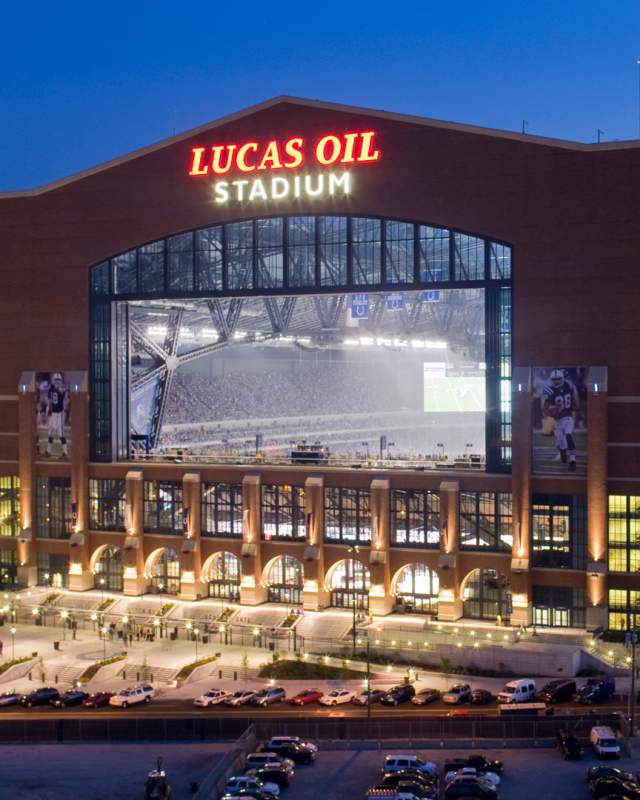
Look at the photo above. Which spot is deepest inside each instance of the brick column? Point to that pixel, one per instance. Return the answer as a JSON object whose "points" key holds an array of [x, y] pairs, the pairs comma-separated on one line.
{"points": [[134, 581], [449, 600], [27, 552], [597, 501], [191, 586], [80, 575], [522, 612], [380, 597], [314, 596], [252, 592]]}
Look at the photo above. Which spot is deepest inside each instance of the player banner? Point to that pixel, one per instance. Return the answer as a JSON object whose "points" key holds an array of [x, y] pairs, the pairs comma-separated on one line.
{"points": [[53, 415], [559, 420]]}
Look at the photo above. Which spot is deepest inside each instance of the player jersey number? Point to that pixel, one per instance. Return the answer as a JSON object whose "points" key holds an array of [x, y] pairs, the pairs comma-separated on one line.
{"points": [[564, 401]]}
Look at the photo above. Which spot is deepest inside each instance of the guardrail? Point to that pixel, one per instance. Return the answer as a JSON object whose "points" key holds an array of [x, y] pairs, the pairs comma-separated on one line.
{"points": [[213, 785], [348, 730]]}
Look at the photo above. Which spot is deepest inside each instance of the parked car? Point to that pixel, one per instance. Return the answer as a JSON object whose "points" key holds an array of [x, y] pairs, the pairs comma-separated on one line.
{"points": [[272, 773], [481, 697], [71, 698], [211, 698], [10, 698], [596, 690], [558, 691], [40, 697], [392, 779], [602, 772], [468, 786], [255, 794], [604, 742], [274, 741], [398, 694], [408, 762], [491, 778], [459, 693], [298, 753], [520, 691], [97, 699], [305, 697], [240, 783], [612, 788], [133, 695], [240, 698], [259, 760], [367, 696], [336, 697], [403, 790], [265, 697], [569, 746], [425, 696], [479, 762]]}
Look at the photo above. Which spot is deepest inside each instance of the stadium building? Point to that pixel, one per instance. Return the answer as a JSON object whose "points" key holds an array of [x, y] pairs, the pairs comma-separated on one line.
{"points": [[327, 356]]}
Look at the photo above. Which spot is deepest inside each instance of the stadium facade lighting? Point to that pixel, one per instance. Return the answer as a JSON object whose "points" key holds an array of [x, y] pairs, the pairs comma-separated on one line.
{"points": [[416, 344]]}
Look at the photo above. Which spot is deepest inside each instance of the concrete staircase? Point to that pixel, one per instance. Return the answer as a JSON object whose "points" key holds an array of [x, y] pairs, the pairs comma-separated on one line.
{"points": [[130, 673]]}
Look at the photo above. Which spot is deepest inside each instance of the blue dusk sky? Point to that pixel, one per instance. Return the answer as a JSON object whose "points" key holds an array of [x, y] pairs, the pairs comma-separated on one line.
{"points": [[86, 82]]}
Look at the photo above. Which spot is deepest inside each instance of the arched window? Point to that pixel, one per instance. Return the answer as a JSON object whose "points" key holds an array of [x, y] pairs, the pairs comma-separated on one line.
{"points": [[285, 581], [350, 583], [108, 570], [164, 573], [486, 594], [223, 576], [417, 588]]}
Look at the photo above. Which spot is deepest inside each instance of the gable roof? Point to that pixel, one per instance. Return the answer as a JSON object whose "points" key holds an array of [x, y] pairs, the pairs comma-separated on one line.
{"points": [[320, 104]]}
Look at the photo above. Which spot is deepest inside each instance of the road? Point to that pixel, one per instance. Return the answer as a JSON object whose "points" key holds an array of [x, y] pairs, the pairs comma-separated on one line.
{"points": [[176, 708]]}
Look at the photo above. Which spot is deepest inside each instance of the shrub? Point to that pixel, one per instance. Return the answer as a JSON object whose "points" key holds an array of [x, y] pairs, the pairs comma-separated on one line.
{"points": [[8, 664], [91, 670], [188, 668], [304, 670]]}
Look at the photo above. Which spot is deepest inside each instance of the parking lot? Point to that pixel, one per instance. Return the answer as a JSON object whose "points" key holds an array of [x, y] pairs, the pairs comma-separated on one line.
{"points": [[96, 772], [529, 774]]}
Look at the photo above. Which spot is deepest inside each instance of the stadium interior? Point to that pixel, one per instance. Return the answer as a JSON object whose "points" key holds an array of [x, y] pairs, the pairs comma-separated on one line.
{"points": [[394, 376]]}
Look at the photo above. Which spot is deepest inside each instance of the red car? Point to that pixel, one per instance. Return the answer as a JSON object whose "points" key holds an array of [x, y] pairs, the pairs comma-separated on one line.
{"points": [[305, 697], [97, 700]]}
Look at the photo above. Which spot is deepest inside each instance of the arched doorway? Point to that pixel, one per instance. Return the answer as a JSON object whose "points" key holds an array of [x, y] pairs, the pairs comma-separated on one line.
{"points": [[349, 583], [284, 580], [163, 572], [416, 589], [486, 594], [222, 575], [108, 570]]}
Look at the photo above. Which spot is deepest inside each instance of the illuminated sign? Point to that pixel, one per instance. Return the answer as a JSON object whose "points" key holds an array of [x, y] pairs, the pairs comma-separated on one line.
{"points": [[295, 153]]}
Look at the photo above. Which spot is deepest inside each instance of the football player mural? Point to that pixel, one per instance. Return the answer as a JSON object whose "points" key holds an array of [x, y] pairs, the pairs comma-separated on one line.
{"points": [[560, 419], [53, 415]]}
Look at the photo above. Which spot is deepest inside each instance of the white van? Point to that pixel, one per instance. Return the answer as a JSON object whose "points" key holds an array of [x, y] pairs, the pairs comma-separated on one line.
{"points": [[520, 691], [604, 742]]}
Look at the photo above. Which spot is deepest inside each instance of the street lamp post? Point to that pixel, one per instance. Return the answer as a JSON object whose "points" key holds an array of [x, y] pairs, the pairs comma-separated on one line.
{"points": [[103, 630], [13, 643], [353, 550], [196, 632]]}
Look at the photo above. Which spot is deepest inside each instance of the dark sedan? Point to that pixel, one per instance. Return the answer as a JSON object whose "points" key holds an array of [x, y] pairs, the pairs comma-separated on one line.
{"points": [[271, 774], [602, 772], [97, 700], [612, 788], [298, 753], [397, 695], [70, 698], [40, 697], [569, 746], [481, 697]]}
